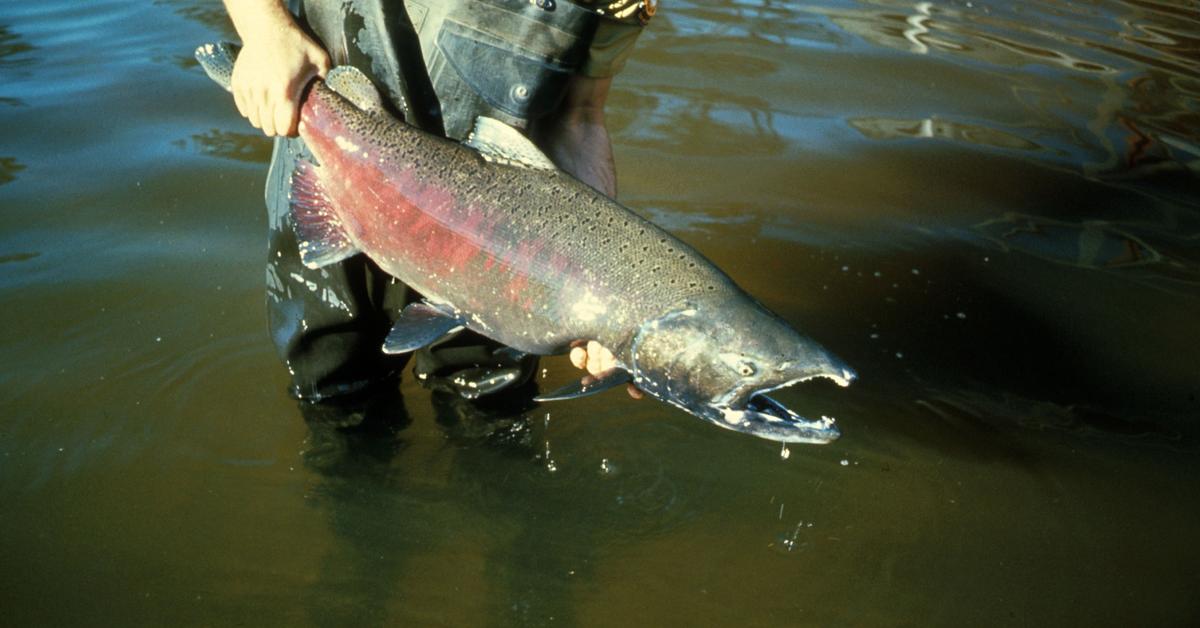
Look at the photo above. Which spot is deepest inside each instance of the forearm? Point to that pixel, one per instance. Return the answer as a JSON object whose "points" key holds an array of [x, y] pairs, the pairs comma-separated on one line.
{"points": [[257, 20], [584, 150], [576, 138]]}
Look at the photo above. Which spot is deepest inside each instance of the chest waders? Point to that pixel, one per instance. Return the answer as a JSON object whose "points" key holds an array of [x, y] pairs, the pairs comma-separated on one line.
{"points": [[439, 64]]}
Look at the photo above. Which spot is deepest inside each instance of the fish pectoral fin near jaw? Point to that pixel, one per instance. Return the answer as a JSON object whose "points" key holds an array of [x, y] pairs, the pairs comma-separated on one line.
{"points": [[589, 385], [323, 241], [353, 85], [501, 143], [420, 325]]}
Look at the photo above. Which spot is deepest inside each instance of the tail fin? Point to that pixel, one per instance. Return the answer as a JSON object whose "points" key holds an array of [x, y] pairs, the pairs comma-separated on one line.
{"points": [[217, 61]]}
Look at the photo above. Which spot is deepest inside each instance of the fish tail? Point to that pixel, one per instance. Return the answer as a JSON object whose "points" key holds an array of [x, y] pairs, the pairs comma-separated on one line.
{"points": [[217, 61]]}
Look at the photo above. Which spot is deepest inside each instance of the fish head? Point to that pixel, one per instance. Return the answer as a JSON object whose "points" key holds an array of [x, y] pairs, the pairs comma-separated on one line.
{"points": [[718, 361]]}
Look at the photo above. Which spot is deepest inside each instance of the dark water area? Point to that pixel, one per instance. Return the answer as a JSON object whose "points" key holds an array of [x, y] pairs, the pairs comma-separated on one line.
{"points": [[989, 209]]}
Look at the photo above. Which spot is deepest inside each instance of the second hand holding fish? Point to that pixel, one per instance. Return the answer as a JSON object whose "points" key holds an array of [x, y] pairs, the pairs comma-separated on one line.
{"points": [[596, 359]]}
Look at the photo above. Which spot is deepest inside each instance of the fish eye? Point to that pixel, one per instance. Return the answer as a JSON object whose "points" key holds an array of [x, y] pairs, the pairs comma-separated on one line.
{"points": [[740, 364]]}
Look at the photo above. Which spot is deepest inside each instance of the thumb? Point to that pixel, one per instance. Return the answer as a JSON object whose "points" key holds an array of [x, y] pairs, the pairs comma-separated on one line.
{"points": [[322, 63]]}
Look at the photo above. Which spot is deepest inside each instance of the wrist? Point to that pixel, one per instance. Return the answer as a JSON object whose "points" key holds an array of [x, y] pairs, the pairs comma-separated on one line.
{"points": [[263, 22]]}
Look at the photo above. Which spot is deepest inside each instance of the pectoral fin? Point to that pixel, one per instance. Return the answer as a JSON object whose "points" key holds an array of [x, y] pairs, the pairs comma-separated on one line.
{"points": [[420, 325], [323, 241], [589, 385]]}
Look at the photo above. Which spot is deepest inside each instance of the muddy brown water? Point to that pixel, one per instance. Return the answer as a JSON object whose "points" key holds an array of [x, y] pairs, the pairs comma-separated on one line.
{"points": [[989, 209]]}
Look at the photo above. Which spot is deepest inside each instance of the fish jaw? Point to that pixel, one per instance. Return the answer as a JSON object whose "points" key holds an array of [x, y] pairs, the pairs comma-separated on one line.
{"points": [[718, 361], [761, 416], [766, 418], [758, 414]]}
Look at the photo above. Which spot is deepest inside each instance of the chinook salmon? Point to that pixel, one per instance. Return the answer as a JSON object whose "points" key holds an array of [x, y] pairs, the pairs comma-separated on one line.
{"points": [[498, 240]]}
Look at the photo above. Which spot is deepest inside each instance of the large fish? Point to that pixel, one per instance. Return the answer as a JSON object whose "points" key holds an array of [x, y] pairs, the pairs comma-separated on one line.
{"points": [[498, 240]]}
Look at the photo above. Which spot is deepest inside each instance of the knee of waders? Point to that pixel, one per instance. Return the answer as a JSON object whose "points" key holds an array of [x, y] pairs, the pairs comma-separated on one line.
{"points": [[473, 370]]}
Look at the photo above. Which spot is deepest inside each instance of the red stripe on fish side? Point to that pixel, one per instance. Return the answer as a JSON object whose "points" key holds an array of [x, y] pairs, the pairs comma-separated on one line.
{"points": [[400, 218], [409, 222]]}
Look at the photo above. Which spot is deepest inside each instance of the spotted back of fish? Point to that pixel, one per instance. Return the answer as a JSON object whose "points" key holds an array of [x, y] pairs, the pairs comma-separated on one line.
{"points": [[566, 248]]}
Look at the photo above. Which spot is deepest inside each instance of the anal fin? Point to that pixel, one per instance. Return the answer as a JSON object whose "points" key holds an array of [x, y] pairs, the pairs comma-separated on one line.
{"points": [[323, 240], [420, 325], [589, 385]]}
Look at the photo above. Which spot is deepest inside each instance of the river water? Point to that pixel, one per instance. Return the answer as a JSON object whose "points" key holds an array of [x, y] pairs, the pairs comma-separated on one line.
{"points": [[989, 209]]}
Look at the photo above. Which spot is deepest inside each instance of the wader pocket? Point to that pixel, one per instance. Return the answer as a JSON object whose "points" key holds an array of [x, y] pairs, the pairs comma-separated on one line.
{"points": [[512, 81], [508, 64]]}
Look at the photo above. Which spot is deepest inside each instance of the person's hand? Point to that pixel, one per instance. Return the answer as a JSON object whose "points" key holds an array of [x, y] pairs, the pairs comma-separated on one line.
{"points": [[596, 359], [270, 75]]}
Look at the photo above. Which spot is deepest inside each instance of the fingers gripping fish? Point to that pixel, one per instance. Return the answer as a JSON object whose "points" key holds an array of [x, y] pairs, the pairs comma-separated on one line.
{"points": [[498, 240]]}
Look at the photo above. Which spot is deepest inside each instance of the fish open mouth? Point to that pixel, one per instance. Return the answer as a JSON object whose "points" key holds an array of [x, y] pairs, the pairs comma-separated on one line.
{"points": [[766, 418], [762, 416]]}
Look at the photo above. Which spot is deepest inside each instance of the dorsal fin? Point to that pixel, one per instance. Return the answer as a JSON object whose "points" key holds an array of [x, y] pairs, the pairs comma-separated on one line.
{"points": [[501, 143], [354, 86]]}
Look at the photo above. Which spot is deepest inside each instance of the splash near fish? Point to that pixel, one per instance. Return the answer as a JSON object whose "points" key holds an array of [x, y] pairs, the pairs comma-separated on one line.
{"points": [[499, 241]]}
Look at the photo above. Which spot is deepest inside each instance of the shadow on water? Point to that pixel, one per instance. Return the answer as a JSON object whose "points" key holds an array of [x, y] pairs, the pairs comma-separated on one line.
{"points": [[9, 167], [17, 257], [243, 147], [14, 53], [14, 50], [492, 496], [210, 14], [351, 447], [386, 521]]}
